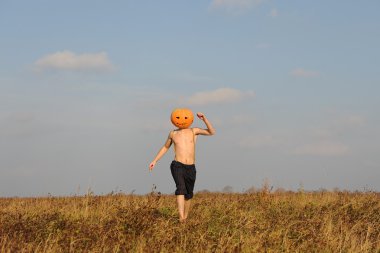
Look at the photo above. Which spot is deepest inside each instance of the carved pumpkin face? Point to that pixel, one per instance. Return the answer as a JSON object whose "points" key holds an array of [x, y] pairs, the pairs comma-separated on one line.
{"points": [[182, 118]]}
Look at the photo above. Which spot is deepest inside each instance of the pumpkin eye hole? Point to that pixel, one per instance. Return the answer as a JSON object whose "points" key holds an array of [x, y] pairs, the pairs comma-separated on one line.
{"points": [[185, 117], [177, 117]]}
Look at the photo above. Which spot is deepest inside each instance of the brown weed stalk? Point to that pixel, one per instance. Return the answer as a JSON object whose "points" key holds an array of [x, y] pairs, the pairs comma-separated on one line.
{"points": [[259, 221]]}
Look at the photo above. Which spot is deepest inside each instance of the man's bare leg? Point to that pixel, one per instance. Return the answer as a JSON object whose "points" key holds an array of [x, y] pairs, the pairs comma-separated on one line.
{"points": [[181, 207], [187, 208]]}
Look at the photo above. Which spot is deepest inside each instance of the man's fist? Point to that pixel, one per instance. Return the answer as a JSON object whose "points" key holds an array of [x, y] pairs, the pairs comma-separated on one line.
{"points": [[201, 115], [151, 166]]}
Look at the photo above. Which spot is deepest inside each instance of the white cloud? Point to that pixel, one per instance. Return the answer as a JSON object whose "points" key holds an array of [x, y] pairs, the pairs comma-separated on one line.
{"points": [[67, 60], [353, 120], [323, 148], [235, 5], [273, 13], [338, 125], [221, 95], [300, 72]]}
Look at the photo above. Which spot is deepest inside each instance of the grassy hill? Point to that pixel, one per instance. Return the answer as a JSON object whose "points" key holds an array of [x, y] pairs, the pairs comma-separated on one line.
{"points": [[261, 221]]}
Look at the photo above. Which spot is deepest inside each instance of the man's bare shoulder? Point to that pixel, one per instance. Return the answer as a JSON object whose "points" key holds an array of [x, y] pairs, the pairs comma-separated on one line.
{"points": [[171, 133], [196, 130], [201, 131]]}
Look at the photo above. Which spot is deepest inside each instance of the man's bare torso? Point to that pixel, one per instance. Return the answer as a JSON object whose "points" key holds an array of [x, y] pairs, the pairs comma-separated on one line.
{"points": [[184, 145]]}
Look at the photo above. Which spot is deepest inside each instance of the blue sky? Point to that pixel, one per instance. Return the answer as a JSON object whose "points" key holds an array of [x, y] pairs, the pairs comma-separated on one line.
{"points": [[87, 88]]}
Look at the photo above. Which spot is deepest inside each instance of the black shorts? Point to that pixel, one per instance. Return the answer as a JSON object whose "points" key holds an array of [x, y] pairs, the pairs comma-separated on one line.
{"points": [[184, 176]]}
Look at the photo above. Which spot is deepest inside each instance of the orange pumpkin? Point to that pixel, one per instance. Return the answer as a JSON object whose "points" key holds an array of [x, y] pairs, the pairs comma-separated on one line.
{"points": [[182, 118]]}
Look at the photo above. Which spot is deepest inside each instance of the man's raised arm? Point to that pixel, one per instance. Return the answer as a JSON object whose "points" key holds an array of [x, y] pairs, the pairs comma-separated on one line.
{"points": [[210, 129]]}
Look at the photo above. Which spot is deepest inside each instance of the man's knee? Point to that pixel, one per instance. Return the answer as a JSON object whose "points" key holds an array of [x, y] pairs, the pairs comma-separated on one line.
{"points": [[189, 196], [181, 191]]}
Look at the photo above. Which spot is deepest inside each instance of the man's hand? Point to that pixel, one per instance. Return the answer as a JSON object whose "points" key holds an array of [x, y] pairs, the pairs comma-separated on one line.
{"points": [[201, 116], [151, 165], [210, 129]]}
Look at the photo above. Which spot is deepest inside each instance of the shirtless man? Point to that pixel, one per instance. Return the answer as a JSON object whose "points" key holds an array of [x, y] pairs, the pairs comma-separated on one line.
{"points": [[183, 166]]}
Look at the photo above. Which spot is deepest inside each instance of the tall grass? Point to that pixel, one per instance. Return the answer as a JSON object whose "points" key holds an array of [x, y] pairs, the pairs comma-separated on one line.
{"points": [[260, 221]]}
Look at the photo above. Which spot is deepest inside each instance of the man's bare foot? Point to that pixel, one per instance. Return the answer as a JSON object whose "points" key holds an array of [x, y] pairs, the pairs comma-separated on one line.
{"points": [[182, 220]]}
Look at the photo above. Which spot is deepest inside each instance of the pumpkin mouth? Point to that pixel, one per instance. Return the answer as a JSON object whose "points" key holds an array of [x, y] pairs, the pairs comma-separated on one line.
{"points": [[183, 124]]}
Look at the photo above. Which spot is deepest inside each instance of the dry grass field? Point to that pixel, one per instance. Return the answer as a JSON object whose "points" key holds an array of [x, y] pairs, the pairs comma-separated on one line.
{"points": [[260, 221]]}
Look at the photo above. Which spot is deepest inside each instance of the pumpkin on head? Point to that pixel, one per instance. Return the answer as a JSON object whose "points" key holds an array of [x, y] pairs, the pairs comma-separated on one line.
{"points": [[182, 118]]}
